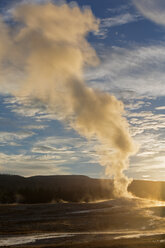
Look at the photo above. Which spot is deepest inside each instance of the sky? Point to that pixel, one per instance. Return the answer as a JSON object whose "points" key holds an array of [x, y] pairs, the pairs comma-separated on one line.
{"points": [[130, 47]]}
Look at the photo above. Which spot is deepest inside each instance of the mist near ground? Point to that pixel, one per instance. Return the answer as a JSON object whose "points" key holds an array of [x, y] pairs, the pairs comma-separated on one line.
{"points": [[71, 188], [79, 211], [122, 222]]}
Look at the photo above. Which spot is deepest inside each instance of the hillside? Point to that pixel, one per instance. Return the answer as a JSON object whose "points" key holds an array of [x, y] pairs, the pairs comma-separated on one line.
{"points": [[70, 188]]}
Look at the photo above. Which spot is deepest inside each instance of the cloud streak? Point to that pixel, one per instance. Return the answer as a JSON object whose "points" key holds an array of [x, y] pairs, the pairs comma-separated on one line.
{"points": [[131, 69], [151, 9], [29, 165], [10, 137], [118, 20]]}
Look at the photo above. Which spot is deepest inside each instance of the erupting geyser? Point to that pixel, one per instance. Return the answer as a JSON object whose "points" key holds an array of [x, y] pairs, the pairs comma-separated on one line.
{"points": [[43, 57]]}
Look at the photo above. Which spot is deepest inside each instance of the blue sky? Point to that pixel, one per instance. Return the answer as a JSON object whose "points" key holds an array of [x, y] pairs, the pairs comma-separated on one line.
{"points": [[131, 47]]}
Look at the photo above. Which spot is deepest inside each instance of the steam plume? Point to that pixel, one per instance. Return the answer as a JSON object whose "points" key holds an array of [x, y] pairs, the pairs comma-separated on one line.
{"points": [[44, 56]]}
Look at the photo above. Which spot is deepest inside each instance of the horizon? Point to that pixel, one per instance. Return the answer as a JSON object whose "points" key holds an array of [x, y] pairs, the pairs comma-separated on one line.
{"points": [[81, 175]]}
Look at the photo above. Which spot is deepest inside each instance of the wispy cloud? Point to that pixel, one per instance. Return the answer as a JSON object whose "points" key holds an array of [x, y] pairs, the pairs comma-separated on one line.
{"points": [[30, 107], [52, 155], [34, 127], [9, 138], [136, 69], [148, 130], [152, 9], [118, 20], [44, 149], [146, 122], [119, 9], [28, 165], [71, 149], [160, 108]]}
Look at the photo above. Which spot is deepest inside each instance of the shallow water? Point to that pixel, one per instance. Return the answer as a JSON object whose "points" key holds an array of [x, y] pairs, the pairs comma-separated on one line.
{"points": [[26, 239], [139, 235], [111, 220]]}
